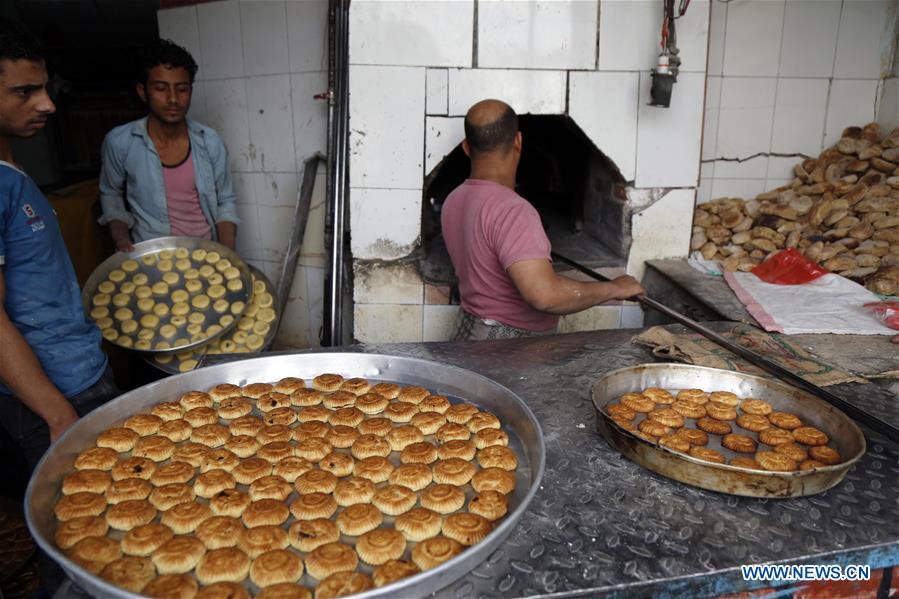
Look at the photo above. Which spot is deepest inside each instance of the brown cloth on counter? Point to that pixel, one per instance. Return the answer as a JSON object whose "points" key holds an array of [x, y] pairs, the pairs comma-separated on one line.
{"points": [[693, 348]]}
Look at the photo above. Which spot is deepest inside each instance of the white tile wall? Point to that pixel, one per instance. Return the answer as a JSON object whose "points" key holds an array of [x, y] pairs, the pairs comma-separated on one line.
{"points": [[180, 26], [710, 126], [410, 32], [436, 89], [596, 318], [888, 110], [630, 38], [754, 28], [307, 35], [737, 188], [294, 330], [863, 40], [226, 112], [780, 169], [264, 33], [604, 105], [717, 28], [439, 322], [220, 39], [386, 126], [386, 223], [315, 287], [276, 189], [668, 140], [537, 35], [809, 38], [799, 115], [249, 242], [313, 253], [536, 92], [387, 283], [271, 123], [753, 168], [744, 123], [704, 191], [197, 109], [631, 317], [658, 231], [310, 116], [850, 103], [275, 228], [386, 323], [442, 136]]}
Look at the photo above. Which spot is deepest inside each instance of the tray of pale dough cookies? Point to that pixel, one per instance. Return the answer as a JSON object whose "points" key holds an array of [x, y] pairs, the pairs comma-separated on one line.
{"points": [[254, 333], [168, 295], [342, 473], [726, 431]]}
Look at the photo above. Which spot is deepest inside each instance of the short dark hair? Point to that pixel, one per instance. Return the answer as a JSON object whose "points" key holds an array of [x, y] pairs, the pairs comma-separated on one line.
{"points": [[498, 134], [168, 53], [17, 43]]}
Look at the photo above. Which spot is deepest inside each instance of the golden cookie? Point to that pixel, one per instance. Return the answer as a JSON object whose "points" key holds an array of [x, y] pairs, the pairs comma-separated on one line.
{"points": [[668, 417], [616, 410], [637, 402], [720, 411], [758, 407], [706, 454], [739, 443], [659, 396], [694, 396], [792, 450], [753, 422], [688, 409], [826, 455], [744, 462], [676, 442], [695, 436], [810, 464], [808, 435], [785, 420], [724, 397], [775, 462], [775, 436], [653, 428]]}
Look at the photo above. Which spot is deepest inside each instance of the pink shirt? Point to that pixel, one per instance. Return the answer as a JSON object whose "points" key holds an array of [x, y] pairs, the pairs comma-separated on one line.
{"points": [[183, 202], [487, 228]]}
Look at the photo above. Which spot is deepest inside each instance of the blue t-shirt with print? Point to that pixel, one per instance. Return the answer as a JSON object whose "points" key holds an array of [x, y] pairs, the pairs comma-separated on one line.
{"points": [[42, 296]]}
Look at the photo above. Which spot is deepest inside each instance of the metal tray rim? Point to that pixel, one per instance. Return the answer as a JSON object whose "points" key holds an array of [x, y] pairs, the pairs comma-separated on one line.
{"points": [[158, 244], [842, 466], [446, 572]]}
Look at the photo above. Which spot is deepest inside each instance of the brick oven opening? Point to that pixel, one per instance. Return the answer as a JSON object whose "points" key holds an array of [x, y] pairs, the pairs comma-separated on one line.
{"points": [[578, 191]]}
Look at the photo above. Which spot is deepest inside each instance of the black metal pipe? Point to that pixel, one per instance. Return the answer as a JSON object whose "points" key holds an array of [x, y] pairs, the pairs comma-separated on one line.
{"points": [[856, 413]]}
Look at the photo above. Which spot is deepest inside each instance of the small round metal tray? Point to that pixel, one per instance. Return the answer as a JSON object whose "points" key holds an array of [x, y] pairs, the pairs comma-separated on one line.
{"points": [[735, 480], [154, 246], [174, 365], [525, 438]]}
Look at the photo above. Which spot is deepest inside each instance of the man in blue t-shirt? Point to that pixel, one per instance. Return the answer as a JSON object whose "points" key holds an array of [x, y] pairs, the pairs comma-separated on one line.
{"points": [[52, 369]]}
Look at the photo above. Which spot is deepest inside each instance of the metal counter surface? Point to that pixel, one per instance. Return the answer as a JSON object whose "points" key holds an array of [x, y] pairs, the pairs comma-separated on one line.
{"points": [[600, 524]]}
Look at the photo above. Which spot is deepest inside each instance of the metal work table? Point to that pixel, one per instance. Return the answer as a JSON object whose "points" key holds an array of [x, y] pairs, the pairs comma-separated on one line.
{"points": [[603, 525]]}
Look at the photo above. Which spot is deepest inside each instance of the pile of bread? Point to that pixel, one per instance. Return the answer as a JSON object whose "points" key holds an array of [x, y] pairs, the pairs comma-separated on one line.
{"points": [[271, 488], [841, 210]]}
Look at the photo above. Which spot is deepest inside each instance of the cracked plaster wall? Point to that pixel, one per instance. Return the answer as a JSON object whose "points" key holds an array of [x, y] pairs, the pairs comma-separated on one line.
{"points": [[784, 79]]}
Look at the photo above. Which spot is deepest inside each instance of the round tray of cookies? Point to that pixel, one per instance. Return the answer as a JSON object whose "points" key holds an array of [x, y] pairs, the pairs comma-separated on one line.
{"points": [[168, 295], [726, 431], [254, 333], [339, 472]]}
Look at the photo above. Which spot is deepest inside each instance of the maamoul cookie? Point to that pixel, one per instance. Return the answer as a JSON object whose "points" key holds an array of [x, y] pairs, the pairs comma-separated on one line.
{"points": [[265, 512], [434, 403], [133, 468], [432, 552], [227, 564], [220, 531], [270, 487], [276, 451], [775, 436], [224, 391], [176, 430], [696, 436], [355, 489], [251, 469], [229, 502], [93, 553], [213, 482], [128, 488], [315, 428], [442, 498], [168, 496], [130, 573], [706, 454], [810, 465], [155, 447], [414, 476], [306, 535], [388, 390], [219, 459], [808, 435], [724, 397], [316, 481], [776, 462], [327, 382], [201, 399], [759, 407], [185, 517], [367, 446], [825, 455], [338, 464], [120, 439], [457, 448], [145, 539], [392, 571], [285, 416], [675, 441], [172, 586], [492, 505], [689, 409], [256, 541], [400, 411], [291, 468], [178, 555], [210, 435], [419, 524], [371, 403], [489, 437], [466, 528], [272, 400], [284, 590], [460, 413], [306, 397], [794, 451], [785, 420], [739, 443], [405, 435], [232, 408], [394, 500], [289, 384], [375, 426], [659, 396], [143, 424], [414, 395], [339, 436], [753, 422], [720, 411], [695, 396], [493, 479], [80, 504], [380, 546], [276, 567], [428, 422], [343, 583], [71, 531], [350, 416], [421, 453], [497, 456], [314, 413], [358, 519], [356, 386], [86, 481], [376, 469], [745, 462], [330, 558], [251, 426], [200, 416], [649, 427]]}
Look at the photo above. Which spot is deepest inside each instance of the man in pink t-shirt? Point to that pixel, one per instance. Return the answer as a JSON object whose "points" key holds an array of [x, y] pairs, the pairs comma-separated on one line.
{"points": [[498, 246]]}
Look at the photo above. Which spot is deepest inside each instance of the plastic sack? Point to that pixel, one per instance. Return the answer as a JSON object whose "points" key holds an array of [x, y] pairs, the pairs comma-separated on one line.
{"points": [[886, 312], [788, 267]]}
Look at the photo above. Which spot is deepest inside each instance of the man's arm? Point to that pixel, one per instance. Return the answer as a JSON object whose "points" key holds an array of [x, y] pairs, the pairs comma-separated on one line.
{"points": [[548, 292], [112, 197], [21, 372], [227, 233]]}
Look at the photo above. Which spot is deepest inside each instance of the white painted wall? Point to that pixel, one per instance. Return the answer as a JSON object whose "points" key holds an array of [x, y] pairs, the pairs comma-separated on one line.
{"points": [[261, 62], [787, 76]]}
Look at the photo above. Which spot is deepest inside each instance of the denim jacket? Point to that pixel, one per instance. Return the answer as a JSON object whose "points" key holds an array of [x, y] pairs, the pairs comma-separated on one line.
{"points": [[131, 181]]}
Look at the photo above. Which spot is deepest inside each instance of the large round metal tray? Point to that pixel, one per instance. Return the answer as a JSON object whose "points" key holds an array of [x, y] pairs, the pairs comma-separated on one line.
{"points": [[844, 433], [526, 438], [174, 366], [153, 246]]}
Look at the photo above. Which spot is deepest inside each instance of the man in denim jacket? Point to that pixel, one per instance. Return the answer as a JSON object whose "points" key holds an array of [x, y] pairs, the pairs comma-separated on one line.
{"points": [[165, 174]]}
